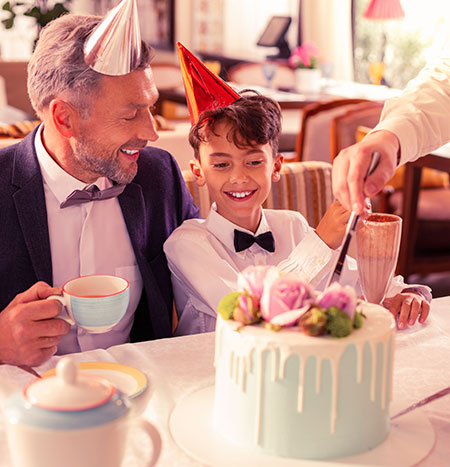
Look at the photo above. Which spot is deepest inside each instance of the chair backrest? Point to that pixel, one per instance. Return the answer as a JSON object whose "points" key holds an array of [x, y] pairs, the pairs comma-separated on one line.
{"points": [[344, 127], [313, 140], [15, 76], [251, 73], [304, 187]]}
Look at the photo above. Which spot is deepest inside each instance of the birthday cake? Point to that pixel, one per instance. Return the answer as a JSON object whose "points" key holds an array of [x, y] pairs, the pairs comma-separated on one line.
{"points": [[300, 374]]}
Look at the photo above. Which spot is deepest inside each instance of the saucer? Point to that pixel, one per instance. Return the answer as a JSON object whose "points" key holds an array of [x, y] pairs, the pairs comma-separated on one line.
{"points": [[410, 440], [127, 379]]}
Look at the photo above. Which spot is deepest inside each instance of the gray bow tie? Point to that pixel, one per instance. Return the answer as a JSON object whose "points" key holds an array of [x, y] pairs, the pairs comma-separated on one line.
{"points": [[93, 193]]}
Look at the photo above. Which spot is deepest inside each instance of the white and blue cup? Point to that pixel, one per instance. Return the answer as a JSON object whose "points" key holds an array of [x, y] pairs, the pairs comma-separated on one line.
{"points": [[95, 303]]}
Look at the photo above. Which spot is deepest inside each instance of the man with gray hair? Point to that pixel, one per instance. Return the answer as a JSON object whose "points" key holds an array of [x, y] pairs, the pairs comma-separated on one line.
{"points": [[95, 128]]}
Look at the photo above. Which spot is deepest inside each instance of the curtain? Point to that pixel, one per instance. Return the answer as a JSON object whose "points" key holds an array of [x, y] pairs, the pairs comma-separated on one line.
{"points": [[329, 24]]}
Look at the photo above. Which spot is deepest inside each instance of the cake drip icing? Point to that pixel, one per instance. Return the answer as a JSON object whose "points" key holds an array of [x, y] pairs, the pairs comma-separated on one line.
{"points": [[292, 343]]}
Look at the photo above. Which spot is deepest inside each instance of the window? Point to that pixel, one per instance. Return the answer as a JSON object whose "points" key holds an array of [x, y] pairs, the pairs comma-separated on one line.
{"points": [[409, 43]]}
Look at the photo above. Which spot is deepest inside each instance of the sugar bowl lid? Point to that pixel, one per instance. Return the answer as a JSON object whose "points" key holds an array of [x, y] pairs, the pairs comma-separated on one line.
{"points": [[69, 390]]}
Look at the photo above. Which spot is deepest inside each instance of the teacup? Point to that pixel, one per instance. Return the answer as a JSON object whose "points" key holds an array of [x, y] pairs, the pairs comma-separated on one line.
{"points": [[95, 303]]}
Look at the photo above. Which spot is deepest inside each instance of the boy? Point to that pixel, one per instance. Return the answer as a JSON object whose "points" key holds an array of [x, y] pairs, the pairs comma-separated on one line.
{"points": [[236, 156]]}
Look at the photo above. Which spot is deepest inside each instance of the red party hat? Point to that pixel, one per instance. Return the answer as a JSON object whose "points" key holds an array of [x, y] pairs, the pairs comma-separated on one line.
{"points": [[204, 89]]}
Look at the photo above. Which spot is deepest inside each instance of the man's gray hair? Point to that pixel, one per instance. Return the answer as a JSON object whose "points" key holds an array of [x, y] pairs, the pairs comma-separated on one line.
{"points": [[57, 65]]}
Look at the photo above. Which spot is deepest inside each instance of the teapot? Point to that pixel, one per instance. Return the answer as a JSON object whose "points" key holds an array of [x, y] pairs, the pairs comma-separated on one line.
{"points": [[71, 420]]}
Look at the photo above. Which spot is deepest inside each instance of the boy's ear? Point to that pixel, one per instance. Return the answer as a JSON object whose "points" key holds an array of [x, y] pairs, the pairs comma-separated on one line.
{"points": [[278, 163], [197, 171], [63, 116]]}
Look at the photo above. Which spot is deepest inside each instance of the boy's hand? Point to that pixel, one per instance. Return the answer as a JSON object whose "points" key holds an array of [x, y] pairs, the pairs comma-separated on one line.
{"points": [[332, 226], [407, 307]]}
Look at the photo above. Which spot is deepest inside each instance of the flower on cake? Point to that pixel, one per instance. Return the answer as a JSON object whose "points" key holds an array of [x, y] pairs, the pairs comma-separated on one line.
{"points": [[285, 298], [305, 56], [340, 296], [279, 300]]}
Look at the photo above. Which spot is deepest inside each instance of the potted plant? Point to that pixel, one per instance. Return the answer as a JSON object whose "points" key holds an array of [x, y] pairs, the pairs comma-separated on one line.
{"points": [[42, 11], [305, 61]]}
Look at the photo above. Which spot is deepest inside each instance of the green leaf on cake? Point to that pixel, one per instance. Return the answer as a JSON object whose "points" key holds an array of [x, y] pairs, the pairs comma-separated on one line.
{"points": [[227, 304], [339, 323], [358, 320]]}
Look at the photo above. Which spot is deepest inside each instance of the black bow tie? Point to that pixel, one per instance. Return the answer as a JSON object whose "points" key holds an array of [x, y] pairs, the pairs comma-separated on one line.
{"points": [[243, 240], [93, 193]]}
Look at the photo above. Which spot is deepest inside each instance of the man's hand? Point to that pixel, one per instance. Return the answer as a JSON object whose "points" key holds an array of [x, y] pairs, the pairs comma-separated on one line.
{"points": [[351, 164], [407, 307], [29, 334]]}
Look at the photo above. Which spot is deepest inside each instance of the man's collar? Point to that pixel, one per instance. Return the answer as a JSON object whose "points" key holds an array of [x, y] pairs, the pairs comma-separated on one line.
{"points": [[58, 180]]}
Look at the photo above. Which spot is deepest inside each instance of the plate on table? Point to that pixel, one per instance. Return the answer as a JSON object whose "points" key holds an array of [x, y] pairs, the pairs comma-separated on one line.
{"points": [[127, 379]]}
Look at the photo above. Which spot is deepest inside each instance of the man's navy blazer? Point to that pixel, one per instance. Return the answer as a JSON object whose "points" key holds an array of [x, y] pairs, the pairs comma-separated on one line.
{"points": [[153, 205]]}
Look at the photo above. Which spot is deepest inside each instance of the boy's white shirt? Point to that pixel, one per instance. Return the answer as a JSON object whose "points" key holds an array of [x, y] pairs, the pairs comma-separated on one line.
{"points": [[204, 264]]}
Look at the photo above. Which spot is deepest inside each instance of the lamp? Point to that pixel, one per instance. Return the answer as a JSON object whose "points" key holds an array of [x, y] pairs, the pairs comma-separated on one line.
{"points": [[382, 10]]}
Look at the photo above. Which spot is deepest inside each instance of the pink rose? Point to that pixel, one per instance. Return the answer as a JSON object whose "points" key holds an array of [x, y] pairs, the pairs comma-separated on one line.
{"points": [[340, 296], [251, 279], [284, 293]]}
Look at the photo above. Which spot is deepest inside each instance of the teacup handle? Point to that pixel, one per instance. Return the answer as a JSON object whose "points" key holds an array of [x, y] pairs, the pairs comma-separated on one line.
{"points": [[154, 436], [60, 299]]}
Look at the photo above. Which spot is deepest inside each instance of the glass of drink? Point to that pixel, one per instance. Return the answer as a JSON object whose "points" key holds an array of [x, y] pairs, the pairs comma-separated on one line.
{"points": [[269, 69], [378, 245]]}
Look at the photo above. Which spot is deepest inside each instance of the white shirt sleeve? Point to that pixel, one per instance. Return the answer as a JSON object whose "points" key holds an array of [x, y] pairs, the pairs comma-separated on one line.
{"points": [[201, 277], [420, 116]]}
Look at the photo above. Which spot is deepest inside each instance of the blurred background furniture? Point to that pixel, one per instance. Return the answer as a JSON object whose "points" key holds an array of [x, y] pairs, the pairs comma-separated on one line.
{"points": [[425, 245], [15, 81], [419, 192], [304, 187], [344, 127], [313, 140], [168, 77], [252, 74]]}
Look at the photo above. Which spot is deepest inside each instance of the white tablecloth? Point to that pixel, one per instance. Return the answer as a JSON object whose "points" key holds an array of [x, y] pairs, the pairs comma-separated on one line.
{"points": [[179, 366]]}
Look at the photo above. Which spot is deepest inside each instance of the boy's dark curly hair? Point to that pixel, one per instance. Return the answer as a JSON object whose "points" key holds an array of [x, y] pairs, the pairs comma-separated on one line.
{"points": [[254, 119]]}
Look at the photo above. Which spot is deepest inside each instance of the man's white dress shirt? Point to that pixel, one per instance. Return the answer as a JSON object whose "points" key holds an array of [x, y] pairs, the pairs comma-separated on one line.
{"points": [[205, 265], [420, 116], [88, 238]]}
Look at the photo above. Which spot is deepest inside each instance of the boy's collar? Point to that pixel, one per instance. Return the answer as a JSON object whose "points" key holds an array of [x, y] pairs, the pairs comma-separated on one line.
{"points": [[223, 229]]}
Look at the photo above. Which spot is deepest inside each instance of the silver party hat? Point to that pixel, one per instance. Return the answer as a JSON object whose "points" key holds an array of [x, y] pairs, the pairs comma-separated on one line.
{"points": [[114, 46]]}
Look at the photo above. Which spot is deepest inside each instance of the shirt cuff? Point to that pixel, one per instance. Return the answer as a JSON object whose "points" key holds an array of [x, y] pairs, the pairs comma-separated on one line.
{"points": [[309, 257]]}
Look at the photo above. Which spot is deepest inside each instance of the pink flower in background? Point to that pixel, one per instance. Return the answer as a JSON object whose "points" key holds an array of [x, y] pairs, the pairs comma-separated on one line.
{"points": [[282, 294], [305, 56], [340, 296], [251, 279]]}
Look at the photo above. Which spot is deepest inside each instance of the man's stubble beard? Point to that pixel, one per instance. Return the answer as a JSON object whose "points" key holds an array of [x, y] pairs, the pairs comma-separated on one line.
{"points": [[96, 160]]}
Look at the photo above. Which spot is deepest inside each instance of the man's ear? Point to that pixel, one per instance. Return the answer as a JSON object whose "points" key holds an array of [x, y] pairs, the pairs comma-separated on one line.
{"points": [[64, 117], [278, 163], [197, 171]]}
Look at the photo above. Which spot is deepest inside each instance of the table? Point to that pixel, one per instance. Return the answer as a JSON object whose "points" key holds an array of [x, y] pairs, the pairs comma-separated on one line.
{"points": [[179, 366], [289, 99]]}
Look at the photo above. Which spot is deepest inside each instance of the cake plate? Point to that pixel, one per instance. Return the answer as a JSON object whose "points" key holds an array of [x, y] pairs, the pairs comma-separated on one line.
{"points": [[410, 440]]}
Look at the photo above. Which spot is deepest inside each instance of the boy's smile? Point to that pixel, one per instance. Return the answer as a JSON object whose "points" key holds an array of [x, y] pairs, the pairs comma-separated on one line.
{"points": [[239, 179]]}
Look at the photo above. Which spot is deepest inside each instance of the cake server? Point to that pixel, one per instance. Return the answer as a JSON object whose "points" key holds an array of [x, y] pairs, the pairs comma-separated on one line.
{"points": [[427, 400], [351, 226]]}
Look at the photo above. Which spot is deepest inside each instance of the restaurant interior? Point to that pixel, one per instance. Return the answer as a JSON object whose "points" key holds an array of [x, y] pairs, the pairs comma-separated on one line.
{"points": [[360, 57], [331, 65]]}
